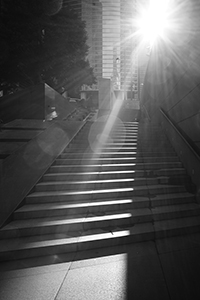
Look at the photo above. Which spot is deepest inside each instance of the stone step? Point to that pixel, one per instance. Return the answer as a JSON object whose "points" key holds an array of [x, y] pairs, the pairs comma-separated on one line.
{"points": [[98, 184], [156, 200], [55, 176], [82, 147], [89, 175], [170, 172], [153, 147], [126, 125], [60, 164], [100, 146], [123, 137], [71, 208], [94, 183], [132, 189], [175, 211], [124, 129], [69, 223], [125, 148], [66, 224], [68, 208], [129, 123], [112, 144], [54, 244], [57, 173], [113, 139], [63, 159], [30, 247], [94, 160], [124, 133], [86, 154], [120, 135], [60, 196]]}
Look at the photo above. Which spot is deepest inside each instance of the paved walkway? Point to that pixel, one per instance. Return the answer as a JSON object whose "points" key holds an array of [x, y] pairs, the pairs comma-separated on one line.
{"points": [[165, 269]]}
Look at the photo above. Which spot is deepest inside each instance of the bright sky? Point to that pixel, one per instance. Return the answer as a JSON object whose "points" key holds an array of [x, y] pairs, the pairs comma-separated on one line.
{"points": [[153, 20]]}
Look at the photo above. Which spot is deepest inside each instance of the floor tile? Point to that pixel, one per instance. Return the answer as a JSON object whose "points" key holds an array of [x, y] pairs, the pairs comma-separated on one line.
{"points": [[178, 243], [134, 274], [100, 282], [145, 279], [35, 271], [109, 254], [182, 273], [37, 287], [52, 261]]}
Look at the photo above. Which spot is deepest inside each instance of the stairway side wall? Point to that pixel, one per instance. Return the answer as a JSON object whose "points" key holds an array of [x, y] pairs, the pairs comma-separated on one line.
{"points": [[26, 104], [172, 82], [35, 102], [56, 103], [22, 169], [179, 96], [172, 79]]}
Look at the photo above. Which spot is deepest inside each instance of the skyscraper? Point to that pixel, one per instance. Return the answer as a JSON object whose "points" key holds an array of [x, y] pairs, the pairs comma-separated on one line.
{"points": [[111, 40]]}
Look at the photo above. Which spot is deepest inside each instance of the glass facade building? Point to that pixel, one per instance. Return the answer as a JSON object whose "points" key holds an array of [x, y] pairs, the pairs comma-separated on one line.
{"points": [[111, 40]]}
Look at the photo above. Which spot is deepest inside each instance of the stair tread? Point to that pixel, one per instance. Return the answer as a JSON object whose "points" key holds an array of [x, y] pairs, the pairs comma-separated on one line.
{"points": [[83, 205], [178, 208], [177, 223], [96, 234], [94, 173], [147, 153], [63, 205], [71, 217], [106, 202], [95, 191], [51, 221], [171, 196], [121, 164], [160, 179], [82, 160], [90, 181], [35, 194], [102, 172], [93, 217], [113, 180], [52, 240]]}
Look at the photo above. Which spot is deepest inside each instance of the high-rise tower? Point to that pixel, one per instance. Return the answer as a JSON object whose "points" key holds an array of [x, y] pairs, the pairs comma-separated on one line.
{"points": [[111, 40], [119, 44]]}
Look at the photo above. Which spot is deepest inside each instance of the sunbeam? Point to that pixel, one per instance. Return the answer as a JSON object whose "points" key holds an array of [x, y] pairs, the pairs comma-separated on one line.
{"points": [[154, 20]]}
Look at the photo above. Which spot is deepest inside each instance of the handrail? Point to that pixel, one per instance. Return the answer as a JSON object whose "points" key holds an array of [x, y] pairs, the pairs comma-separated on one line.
{"points": [[186, 139], [146, 112]]}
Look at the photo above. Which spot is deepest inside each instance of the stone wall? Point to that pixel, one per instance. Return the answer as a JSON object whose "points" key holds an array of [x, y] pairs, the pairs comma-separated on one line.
{"points": [[26, 104], [172, 80]]}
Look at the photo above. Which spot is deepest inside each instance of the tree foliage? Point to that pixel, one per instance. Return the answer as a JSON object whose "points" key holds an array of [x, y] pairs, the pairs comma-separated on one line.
{"points": [[42, 42]]}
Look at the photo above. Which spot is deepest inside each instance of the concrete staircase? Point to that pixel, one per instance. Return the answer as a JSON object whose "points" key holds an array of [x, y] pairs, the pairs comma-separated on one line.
{"points": [[122, 187]]}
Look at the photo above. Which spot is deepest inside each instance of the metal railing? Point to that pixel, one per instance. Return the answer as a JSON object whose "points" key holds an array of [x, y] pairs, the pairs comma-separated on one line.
{"points": [[190, 144]]}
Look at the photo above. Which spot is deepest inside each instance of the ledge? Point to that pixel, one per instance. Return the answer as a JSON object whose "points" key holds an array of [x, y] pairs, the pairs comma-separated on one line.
{"points": [[22, 169]]}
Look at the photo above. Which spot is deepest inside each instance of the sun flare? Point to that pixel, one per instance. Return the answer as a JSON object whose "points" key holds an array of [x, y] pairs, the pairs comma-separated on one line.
{"points": [[153, 20]]}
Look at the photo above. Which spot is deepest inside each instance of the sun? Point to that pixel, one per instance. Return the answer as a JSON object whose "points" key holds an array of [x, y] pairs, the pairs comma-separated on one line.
{"points": [[153, 20]]}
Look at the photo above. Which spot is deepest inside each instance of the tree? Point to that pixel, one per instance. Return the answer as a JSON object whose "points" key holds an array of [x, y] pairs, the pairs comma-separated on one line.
{"points": [[65, 38], [42, 44]]}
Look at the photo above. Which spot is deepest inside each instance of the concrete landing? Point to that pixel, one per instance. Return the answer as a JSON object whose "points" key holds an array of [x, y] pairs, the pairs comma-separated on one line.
{"points": [[23, 165], [163, 269], [16, 133], [27, 124]]}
